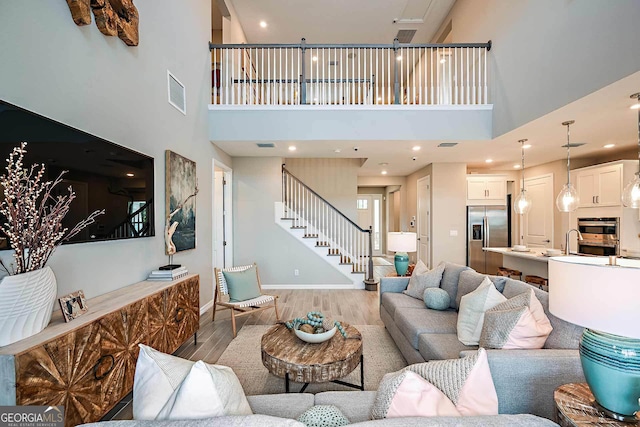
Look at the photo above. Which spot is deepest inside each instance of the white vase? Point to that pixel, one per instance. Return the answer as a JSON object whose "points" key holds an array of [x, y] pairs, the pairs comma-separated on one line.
{"points": [[26, 304]]}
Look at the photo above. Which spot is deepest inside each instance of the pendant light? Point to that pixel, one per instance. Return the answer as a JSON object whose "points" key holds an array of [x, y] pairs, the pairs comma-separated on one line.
{"points": [[522, 203], [631, 193], [567, 200]]}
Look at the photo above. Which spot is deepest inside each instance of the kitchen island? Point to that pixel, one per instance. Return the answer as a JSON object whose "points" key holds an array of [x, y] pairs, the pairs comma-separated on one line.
{"points": [[530, 263]]}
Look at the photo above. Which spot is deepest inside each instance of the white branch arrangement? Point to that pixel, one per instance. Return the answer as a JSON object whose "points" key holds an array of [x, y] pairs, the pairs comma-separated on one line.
{"points": [[33, 215], [170, 228]]}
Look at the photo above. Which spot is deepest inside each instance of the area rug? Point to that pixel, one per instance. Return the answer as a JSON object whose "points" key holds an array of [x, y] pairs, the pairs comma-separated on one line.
{"points": [[243, 355]]}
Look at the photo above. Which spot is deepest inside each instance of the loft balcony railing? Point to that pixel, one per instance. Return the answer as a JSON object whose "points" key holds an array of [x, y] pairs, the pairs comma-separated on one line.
{"points": [[341, 74]]}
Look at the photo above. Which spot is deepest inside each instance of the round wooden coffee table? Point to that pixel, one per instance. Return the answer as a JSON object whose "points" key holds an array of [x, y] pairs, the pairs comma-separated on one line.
{"points": [[287, 356]]}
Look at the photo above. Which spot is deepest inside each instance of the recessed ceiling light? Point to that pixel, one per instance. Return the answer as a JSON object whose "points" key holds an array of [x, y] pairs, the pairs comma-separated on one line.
{"points": [[383, 172], [609, 145], [292, 148], [314, 58], [635, 106], [443, 60], [489, 160], [263, 24], [379, 98], [516, 166], [399, 57], [525, 146], [130, 174], [416, 148], [384, 164], [337, 150]]}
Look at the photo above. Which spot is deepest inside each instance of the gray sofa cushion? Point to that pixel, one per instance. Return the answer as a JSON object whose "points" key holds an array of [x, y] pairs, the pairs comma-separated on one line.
{"points": [[471, 279], [479, 421], [255, 420], [285, 405], [441, 346], [565, 335], [413, 321], [355, 405], [392, 301], [450, 279]]}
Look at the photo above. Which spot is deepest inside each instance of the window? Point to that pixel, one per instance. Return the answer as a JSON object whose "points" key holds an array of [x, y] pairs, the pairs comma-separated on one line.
{"points": [[363, 204]]}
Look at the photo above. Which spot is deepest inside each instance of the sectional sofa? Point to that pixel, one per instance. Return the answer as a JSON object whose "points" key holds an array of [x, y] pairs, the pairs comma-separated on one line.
{"points": [[355, 405], [524, 379]]}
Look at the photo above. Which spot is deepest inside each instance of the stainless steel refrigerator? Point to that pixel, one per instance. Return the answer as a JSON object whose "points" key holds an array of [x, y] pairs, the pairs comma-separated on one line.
{"points": [[487, 226]]}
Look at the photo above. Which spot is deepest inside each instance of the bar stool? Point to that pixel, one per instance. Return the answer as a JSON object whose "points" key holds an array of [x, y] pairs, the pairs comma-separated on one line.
{"points": [[538, 281], [509, 272]]}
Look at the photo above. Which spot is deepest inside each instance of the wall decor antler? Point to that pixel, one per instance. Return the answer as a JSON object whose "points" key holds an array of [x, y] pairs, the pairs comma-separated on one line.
{"points": [[113, 17]]}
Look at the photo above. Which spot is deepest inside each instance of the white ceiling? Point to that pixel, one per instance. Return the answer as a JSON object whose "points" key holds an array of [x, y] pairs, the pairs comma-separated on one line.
{"points": [[351, 21], [602, 117]]}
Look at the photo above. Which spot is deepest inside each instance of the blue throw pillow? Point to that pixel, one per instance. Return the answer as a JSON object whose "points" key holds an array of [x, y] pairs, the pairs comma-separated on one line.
{"points": [[242, 285], [436, 298]]}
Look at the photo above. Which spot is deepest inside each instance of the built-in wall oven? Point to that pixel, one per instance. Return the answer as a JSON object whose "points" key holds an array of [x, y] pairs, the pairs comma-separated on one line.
{"points": [[600, 236]]}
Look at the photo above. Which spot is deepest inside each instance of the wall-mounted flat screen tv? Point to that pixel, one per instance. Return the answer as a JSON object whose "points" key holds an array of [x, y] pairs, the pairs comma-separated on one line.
{"points": [[103, 175]]}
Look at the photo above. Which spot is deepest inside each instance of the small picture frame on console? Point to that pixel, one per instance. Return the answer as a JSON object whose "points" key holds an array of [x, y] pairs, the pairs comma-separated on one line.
{"points": [[73, 305]]}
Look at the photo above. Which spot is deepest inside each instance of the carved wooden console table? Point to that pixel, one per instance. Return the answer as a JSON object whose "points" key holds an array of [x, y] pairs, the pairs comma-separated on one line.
{"points": [[88, 364]]}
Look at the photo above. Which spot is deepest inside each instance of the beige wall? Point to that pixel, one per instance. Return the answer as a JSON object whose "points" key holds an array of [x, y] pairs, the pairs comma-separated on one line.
{"points": [[545, 52], [448, 209], [336, 180]]}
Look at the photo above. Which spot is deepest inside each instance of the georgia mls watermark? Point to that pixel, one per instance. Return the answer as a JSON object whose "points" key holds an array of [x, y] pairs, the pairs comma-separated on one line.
{"points": [[31, 416]]}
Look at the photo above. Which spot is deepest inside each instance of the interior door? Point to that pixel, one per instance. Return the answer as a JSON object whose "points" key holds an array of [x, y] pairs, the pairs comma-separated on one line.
{"points": [[538, 223], [423, 225]]}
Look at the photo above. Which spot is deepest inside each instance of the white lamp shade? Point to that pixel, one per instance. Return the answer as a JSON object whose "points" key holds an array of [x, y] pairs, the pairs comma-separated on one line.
{"points": [[401, 242], [588, 292]]}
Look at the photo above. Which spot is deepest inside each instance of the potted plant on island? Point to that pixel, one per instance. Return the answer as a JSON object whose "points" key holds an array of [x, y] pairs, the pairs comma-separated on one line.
{"points": [[33, 224]]}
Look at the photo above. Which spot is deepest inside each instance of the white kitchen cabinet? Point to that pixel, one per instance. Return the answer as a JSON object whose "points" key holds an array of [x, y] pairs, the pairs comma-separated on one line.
{"points": [[599, 186], [486, 190]]}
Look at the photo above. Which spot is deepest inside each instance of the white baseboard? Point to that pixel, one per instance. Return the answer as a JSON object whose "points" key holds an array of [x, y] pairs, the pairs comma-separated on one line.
{"points": [[314, 286], [206, 307]]}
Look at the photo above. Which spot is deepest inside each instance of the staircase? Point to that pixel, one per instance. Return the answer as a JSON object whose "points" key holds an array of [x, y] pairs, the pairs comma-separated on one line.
{"points": [[325, 230]]}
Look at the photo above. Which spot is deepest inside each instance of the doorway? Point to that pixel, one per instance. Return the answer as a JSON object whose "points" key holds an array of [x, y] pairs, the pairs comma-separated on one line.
{"points": [[423, 220], [369, 208], [538, 223], [222, 216]]}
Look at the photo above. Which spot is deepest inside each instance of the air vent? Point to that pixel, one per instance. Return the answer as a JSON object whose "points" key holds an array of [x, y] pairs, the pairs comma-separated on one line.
{"points": [[177, 95], [265, 145], [334, 63], [405, 36], [447, 144], [573, 145]]}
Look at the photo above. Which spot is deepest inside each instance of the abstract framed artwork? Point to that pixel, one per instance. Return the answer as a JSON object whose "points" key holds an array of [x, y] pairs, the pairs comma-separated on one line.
{"points": [[180, 182], [73, 305]]}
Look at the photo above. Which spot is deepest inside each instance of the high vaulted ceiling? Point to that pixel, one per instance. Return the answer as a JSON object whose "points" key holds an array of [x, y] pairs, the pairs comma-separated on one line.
{"points": [[602, 117]]}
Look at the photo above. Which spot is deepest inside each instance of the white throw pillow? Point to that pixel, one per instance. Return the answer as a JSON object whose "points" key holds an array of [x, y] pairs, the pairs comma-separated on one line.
{"points": [[472, 309], [166, 387]]}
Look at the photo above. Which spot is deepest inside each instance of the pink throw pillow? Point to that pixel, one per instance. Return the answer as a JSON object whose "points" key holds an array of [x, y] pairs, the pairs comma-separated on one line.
{"points": [[456, 387], [518, 323]]}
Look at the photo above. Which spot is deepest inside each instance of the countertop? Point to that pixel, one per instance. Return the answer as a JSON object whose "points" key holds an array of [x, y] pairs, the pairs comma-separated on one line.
{"points": [[534, 254]]}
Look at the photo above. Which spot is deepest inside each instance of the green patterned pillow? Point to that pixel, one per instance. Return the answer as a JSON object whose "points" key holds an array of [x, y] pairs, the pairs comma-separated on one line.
{"points": [[323, 416], [242, 285]]}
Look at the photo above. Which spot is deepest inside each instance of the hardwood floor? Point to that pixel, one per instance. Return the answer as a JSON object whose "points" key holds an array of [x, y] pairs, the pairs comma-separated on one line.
{"points": [[356, 307]]}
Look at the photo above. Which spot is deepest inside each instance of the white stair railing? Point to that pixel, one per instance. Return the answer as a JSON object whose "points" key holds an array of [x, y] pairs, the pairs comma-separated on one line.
{"points": [[350, 74], [327, 225]]}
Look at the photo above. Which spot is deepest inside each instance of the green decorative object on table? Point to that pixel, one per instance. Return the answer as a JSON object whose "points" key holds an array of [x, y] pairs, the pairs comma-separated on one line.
{"points": [[317, 321]]}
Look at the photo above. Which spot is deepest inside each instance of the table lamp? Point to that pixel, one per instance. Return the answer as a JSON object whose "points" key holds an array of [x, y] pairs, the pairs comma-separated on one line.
{"points": [[604, 298], [401, 242]]}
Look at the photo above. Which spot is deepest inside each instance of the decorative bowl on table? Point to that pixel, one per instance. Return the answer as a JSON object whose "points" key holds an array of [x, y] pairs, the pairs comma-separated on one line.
{"points": [[316, 338], [520, 248]]}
